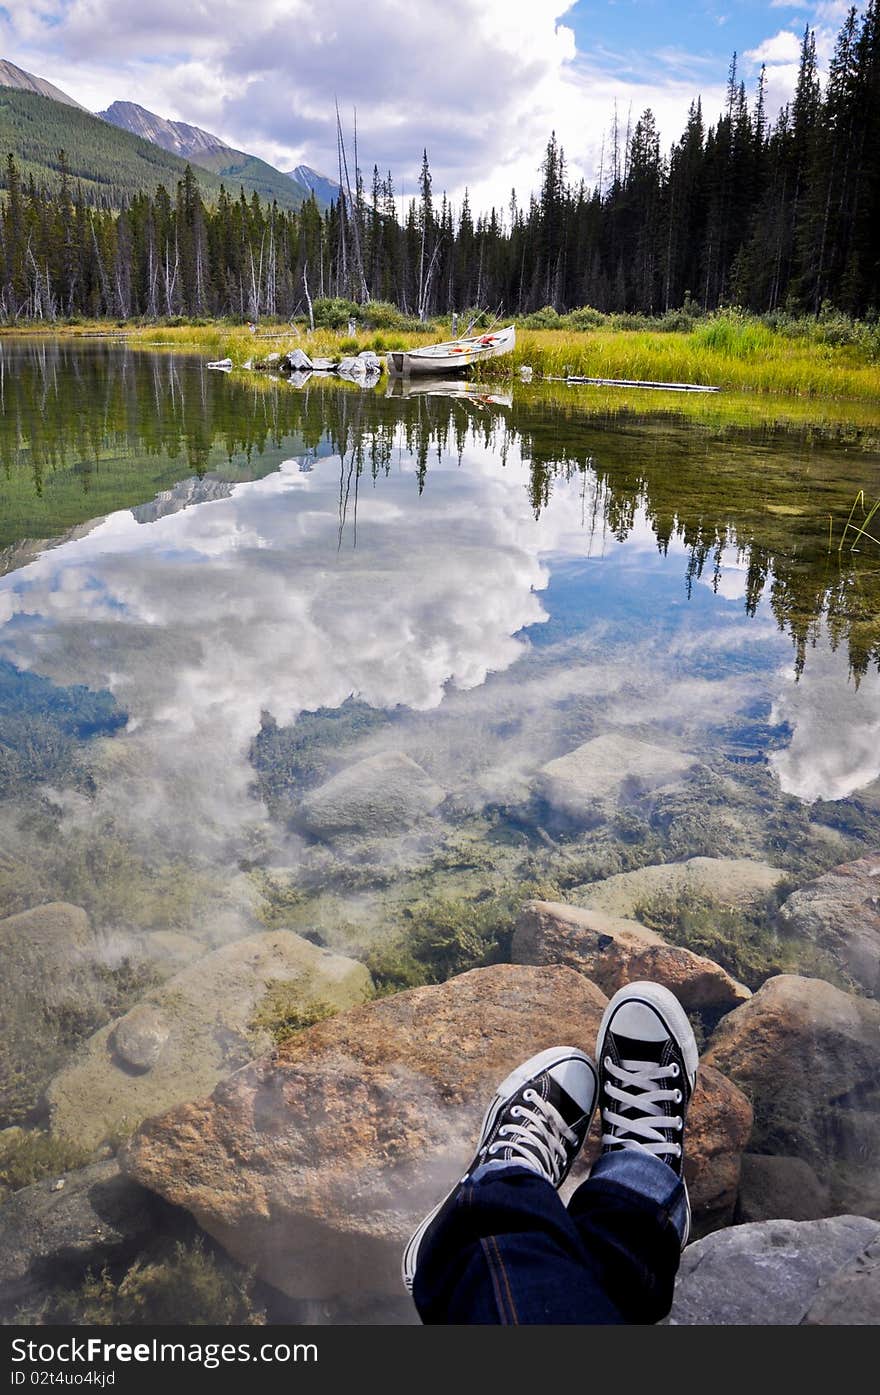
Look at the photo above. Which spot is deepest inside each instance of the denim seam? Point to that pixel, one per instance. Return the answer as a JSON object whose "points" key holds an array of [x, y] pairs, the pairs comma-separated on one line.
{"points": [[513, 1318], [499, 1297]]}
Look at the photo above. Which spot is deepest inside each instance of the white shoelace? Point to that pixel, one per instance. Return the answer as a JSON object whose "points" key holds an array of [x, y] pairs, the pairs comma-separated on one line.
{"points": [[543, 1136], [641, 1089]]}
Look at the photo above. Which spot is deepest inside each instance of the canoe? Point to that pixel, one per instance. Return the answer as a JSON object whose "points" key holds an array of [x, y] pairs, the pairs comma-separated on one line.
{"points": [[453, 355], [224, 364]]}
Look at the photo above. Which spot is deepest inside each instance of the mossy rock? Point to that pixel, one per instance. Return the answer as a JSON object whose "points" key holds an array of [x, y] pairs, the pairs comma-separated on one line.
{"points": [[214, 1018]]}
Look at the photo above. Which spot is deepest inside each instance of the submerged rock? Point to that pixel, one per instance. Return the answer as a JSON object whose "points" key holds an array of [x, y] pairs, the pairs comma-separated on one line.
{"points": [[777, 1273], [612, 767], [840, 912], [192, 1031], [612, 951], [139, 1036], [806, 1054], [728, 881], [314, 1164], [775, 1188], [52, 977], [50, 1234], [379, 794]]}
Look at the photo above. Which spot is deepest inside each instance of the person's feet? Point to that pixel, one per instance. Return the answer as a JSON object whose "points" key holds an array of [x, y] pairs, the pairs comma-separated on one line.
{"points": [[538, 1119], [647, 1069]]}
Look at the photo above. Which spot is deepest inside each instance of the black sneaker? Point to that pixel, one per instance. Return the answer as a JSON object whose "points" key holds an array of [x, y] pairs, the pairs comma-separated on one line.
{"points": [[647, 1070], [538, 1118]]}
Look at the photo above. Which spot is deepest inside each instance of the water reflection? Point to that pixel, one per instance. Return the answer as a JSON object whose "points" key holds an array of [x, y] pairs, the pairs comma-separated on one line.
{"points": [[267, 592]]}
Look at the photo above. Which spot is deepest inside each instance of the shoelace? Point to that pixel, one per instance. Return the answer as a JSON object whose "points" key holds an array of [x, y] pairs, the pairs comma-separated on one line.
{"points": [[543, 1134], [641, 1089]]}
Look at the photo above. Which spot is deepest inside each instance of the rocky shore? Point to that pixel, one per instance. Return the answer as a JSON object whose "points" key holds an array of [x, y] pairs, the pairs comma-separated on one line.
{"points": [[308, 1161]]}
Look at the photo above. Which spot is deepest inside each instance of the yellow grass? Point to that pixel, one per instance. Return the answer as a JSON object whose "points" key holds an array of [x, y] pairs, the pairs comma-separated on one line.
{"points": [[748, 358]]}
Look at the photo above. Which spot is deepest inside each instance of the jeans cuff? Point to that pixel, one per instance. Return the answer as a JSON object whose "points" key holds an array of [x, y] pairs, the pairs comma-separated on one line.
{"points": [[499, 1166], [650, 1177]]}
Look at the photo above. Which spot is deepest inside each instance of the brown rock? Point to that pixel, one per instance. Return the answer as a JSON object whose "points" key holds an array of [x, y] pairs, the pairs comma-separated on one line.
{"points": [[840, 912], [718, 1127], [314, 1164], [612, 952], [806, 1054]]}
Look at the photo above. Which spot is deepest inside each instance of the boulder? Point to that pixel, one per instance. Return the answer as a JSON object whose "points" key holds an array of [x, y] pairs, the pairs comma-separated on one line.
{"points": [[138, 1037], [806, 1054], [191, 1031], [728, 881], [50, 1233], [371, 360], [840, 912], [851, 1297], [297, 361], [351, 368], [46, 935], [612, 952], [718, 1128], [52, 976], [315, 1164], [776, 1188], [612, 767], [379, 794], [781, 1273]]}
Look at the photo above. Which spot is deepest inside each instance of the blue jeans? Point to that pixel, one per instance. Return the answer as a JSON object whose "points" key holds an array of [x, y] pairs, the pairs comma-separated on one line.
{"points": [[506, 1250]]}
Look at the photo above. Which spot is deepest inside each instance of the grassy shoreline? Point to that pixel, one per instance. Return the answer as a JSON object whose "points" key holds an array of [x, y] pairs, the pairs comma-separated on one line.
{"points": [[735, 353]]}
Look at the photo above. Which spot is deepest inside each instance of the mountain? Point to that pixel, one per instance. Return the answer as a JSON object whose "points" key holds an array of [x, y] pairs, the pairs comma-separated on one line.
{"points": [[174, 136], [127, 149], [326, 191], [12, 76], [108, 164], [213, 153]]}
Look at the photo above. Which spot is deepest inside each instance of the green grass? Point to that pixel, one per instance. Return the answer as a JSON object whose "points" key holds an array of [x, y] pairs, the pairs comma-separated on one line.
{"points": [[181, 1283], [856, 531], [33, 1155], [747, 358]]}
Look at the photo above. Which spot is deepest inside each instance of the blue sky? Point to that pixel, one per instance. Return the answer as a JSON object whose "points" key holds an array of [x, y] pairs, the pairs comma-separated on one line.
{"points": [[480, 83], [683, 37]]}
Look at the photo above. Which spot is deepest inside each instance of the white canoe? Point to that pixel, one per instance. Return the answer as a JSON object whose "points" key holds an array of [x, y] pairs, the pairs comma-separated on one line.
{"points": [[453, 355]]}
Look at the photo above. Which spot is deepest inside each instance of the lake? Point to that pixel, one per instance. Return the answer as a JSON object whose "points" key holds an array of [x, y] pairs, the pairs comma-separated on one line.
{"points": [[299, 659]]}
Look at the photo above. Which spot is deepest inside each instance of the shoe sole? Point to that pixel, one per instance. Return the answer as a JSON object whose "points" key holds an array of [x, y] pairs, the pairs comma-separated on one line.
{"points": [[509, 1086], [674, 1017]]}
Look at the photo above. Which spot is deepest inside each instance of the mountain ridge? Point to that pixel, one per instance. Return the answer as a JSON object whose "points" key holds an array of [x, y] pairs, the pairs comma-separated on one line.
{"points": [[22, 81], [212, 152], [115, 169]]}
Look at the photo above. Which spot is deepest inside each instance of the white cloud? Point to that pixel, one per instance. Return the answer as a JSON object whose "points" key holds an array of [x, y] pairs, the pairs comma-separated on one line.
{"points": [[480, 85], [783, 47], [835, 744]]}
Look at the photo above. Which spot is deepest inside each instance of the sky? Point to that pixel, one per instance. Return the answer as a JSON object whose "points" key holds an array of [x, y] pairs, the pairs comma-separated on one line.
{"points": [[479, 83]]}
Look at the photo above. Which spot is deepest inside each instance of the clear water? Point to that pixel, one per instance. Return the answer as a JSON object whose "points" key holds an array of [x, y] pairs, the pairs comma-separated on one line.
{"points": [[267, 586]]}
